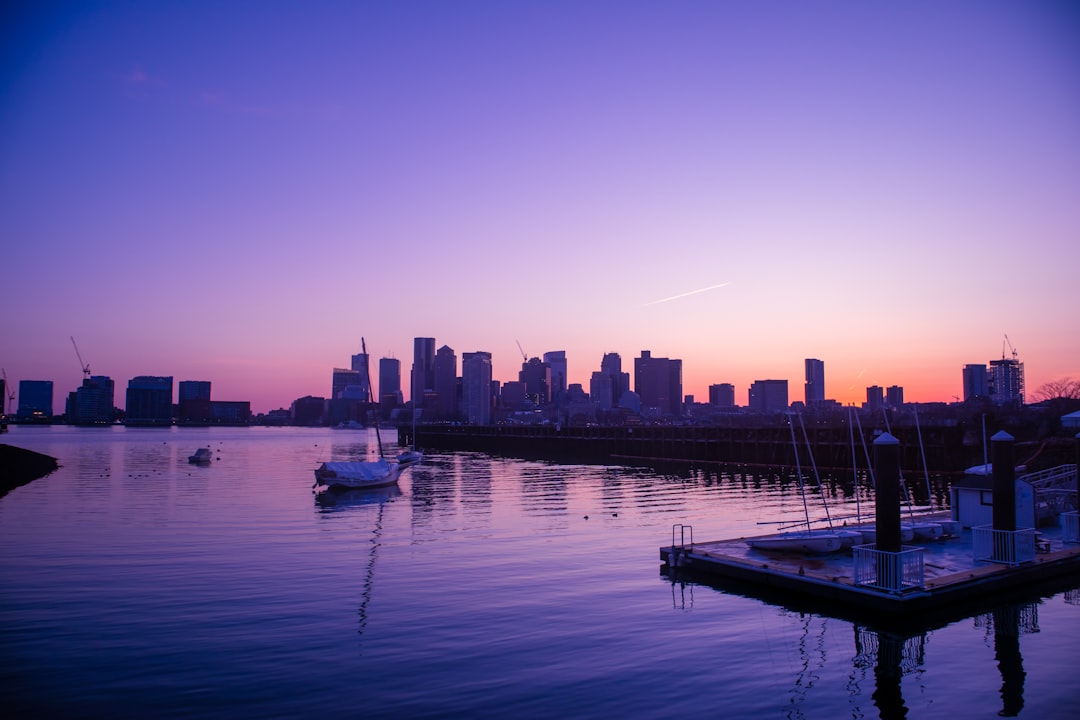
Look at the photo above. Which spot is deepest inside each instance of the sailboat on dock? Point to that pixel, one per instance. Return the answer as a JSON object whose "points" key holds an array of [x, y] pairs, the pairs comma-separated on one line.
{"points": [[808, 541]]}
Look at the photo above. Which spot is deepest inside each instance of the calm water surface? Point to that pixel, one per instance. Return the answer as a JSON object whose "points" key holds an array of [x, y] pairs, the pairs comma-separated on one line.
{"points": [[134, 584]]}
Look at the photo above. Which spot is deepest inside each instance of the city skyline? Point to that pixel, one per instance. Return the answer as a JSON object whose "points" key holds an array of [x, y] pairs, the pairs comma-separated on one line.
{"points": [[890, 189]]}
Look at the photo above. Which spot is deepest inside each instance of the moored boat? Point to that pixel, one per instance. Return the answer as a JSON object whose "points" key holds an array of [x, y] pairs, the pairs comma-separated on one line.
{"points": [[358, 475], [811, 542], [202, 456]]}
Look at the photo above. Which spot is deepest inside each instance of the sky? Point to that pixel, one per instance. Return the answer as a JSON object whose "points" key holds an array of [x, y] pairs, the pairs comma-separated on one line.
{"points": [[238, 192]]}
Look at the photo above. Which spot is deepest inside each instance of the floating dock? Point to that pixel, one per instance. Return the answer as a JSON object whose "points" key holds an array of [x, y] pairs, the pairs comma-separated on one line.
{"points": [[951, 573], [961, 565]]}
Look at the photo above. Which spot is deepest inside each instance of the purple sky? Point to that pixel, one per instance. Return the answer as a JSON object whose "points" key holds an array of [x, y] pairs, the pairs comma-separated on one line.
{"points": [[237, 192]]}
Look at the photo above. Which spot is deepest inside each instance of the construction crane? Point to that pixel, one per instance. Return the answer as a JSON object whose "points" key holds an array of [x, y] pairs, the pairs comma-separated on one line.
{"points": [[8, 392], [524, 357], [85, 367], [1009, 343]]}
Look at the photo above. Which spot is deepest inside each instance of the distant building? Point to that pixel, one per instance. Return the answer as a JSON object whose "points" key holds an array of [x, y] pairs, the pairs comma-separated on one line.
{"points": [[446, 383], [601, 390], [976, 382], [359, 364], [768, 396], [92, 402], [389, 384], [423, 370], [342, 379], [35, 399], [815, 381], [226, 412], [608, 384], [1007, 381], [722, 395], [476, 397], [658, 382], [149, 400], [513, 395], [194, 402], [308, 410], [556, 360], [875, 398], [535, 375], [894, 396]]}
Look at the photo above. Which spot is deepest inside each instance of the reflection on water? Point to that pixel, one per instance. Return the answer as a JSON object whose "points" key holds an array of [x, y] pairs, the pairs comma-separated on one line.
{"points": [[479, 587], [898, 649]]}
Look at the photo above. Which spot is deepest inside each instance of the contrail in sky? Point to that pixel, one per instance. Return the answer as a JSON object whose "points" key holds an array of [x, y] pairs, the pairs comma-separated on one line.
{"points": [[692, 292]]}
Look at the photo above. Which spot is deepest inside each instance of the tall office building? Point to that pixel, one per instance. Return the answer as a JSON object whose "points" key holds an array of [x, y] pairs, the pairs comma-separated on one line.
{"points": [[722, 395], [423, 370], [658, 382], [35, 399], [815, 381], [535, 375], [600, 390], [446, 383], [476, 397], [556, 360], [149, 400], [389, 383], [1007, 381], [361, 365], [768, 396], [611, 365], [976, 382], [92, 402], [875, 397], [343, 379], [894, 396]]}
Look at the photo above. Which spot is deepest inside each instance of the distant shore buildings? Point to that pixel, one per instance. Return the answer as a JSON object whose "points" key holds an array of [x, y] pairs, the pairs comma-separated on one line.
{"points": [[442, 390]]}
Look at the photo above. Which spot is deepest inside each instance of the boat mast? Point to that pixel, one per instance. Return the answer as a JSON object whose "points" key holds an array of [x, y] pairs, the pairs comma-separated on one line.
{"points": [[371, 401], [854, 465], [798, 471]]}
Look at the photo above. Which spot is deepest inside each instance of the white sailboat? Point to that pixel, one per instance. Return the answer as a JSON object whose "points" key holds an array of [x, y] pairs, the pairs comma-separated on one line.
{"points": [[809, 541], [360, 474]]}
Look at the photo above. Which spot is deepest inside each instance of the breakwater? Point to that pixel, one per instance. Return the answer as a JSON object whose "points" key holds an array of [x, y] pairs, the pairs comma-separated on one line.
{"points": [[19, 467], [947, 448]]}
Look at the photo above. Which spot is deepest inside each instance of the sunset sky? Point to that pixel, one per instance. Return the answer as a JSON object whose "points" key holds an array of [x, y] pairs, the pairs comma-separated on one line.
{"points": [[237, 192]]}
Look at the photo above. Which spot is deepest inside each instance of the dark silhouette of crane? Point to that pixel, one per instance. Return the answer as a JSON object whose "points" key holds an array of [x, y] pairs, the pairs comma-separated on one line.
{"points": [[85, 367], [524, 357]]}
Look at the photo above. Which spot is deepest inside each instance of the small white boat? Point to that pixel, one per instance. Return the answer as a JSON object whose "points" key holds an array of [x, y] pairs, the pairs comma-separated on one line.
{"points": [[357, 475], [201, 457], [925, 530], [815, 543], [409, 457]]}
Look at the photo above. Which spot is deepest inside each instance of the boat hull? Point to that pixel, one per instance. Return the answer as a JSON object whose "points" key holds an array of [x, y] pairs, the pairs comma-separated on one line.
{"points": [[810, 543], [357, 475]]}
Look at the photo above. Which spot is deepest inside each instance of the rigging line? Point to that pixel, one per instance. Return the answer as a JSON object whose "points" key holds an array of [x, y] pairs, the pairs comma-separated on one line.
{"points": [[798, 471], [817, 478]]}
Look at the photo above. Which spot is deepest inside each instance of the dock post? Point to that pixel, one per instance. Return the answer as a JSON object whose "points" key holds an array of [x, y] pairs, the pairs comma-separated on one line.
{"points": [[887, 490], [1004, 487]]}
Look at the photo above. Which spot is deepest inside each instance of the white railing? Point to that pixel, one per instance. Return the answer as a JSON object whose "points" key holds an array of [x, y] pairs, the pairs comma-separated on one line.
{"points": [[1009, 547], [889, 571], [1070, 521]]}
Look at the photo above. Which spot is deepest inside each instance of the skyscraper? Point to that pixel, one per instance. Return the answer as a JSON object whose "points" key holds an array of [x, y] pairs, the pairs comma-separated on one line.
{"points": [[722, 395], [535, 375], [875, 397], [768, 396], [389, 383], [446, 383], [476, 387], [658, 382], [423, 370], [815, 381], [359, 364], [611, 365], [976, 382], [92, 402], [1007, 381], [894, 396], [194, 402], [556, 360]]}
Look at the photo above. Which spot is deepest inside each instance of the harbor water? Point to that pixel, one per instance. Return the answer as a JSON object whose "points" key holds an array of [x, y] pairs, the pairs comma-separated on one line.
{"points": [[136, 584]]}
